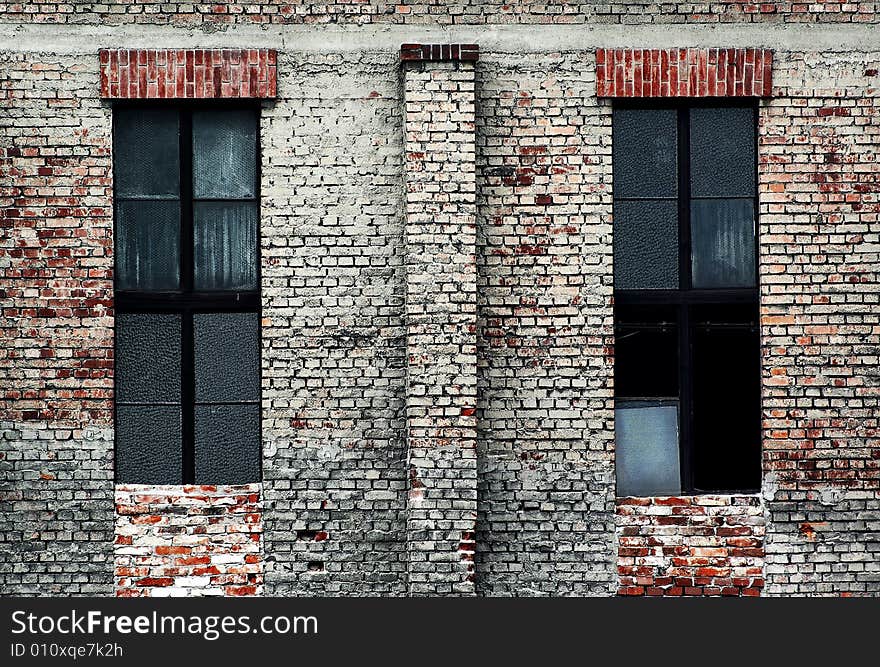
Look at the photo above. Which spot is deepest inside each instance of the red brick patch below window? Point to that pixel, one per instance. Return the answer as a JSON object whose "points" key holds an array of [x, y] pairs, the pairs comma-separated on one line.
{"points": [[684, 72], [188, 540], [188, 73], [690, 546]]}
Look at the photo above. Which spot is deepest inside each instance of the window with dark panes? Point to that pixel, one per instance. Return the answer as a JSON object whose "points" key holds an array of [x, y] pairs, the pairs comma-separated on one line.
{"points": [[187, 294], [687, 356]]}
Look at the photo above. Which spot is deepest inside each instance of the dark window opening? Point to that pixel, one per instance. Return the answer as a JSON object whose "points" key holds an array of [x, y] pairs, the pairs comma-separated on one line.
{"points": [[687, 376], [186, 199]]}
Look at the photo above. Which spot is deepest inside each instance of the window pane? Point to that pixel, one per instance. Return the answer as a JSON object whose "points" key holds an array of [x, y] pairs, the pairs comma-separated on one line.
{"points": [[227, 444], [645, 351], [727, 439], [645, 150], [225, 245], [146, 153], [224, 154], [646, 448], [645, 245], [147, 244], [723, 152], [148, 444], [227, 356], [147, 358], [723, 242]]}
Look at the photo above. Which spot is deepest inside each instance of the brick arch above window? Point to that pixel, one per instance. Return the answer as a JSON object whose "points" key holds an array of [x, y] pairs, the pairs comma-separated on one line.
{"points": [[150, 74], [646, 73]]}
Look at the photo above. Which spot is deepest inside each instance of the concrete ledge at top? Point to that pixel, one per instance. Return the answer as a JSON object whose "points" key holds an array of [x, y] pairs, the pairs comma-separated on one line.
{"points": [[439, 52]]}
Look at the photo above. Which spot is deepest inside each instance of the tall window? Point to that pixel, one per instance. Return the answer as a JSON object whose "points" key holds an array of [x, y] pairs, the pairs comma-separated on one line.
{"points": [[687, 378], [187, 294]]}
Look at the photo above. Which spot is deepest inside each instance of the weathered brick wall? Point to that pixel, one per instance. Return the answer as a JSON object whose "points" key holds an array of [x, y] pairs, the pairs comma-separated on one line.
{"points": [[692, 545], [334, 342], [441, 320], [545, 417], [56, 465], [820, 297], [465, 12], [174, 541]]}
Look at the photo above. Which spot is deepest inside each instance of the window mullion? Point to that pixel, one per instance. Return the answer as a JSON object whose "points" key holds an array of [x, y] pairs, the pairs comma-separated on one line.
{"points": [[686, 444]]}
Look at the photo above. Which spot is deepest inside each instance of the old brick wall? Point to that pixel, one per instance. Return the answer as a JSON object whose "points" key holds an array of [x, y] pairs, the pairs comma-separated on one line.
{"points": [[56, 361], [334, 342], [820, 298], [465, 12], [337, 493], [545, 439]]}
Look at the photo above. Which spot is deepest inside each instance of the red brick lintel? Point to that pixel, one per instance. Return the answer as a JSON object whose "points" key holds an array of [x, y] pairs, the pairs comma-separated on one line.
{"points": [[684, 72], [188, 73], [438, 52]]}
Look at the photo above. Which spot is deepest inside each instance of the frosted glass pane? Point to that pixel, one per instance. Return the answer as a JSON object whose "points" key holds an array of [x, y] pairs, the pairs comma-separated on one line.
{"points": [[148, 444], [646, 443], [225, 245], [224, 154], [147, 358], [227, 444], [146, 153], [645, 245], [722, 152], [227, 356], [147, 245], [644, 152], [723, 242]]}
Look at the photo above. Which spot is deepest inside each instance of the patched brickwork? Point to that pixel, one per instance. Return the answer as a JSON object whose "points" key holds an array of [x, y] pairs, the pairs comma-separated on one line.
{"points": [[693, 545], [545, 417], [684, 72], [441, 325], [188, 73], [820, 296], [334, 342], [174, 541], [56, 465], [465, 12]]}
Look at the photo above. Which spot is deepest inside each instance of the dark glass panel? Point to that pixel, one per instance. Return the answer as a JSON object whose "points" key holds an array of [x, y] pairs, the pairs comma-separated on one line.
{"points": [[227, 356], [645, 150], [148, 444], [148, 245], [147, 358], [726, 376], [227, 444], [646, 448], [723, 242], [645, 352], [146, 153], [224, 154], [645, 245], [225, 245], [723, 152]]}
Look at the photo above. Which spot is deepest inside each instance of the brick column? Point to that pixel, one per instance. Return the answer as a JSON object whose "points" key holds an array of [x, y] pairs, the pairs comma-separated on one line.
{"points": [[441, 317]]}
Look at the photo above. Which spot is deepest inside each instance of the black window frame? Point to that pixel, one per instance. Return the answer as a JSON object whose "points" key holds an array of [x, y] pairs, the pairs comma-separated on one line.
{"points": [[686, 297], [186, 301]]}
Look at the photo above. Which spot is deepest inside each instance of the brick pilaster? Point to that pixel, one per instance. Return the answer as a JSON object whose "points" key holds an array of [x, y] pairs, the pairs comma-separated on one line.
{"points": [[441, 318]]}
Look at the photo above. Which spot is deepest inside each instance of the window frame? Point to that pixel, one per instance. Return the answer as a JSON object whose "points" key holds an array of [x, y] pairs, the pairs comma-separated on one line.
{"points": [[186, 301], [686, 296]]}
